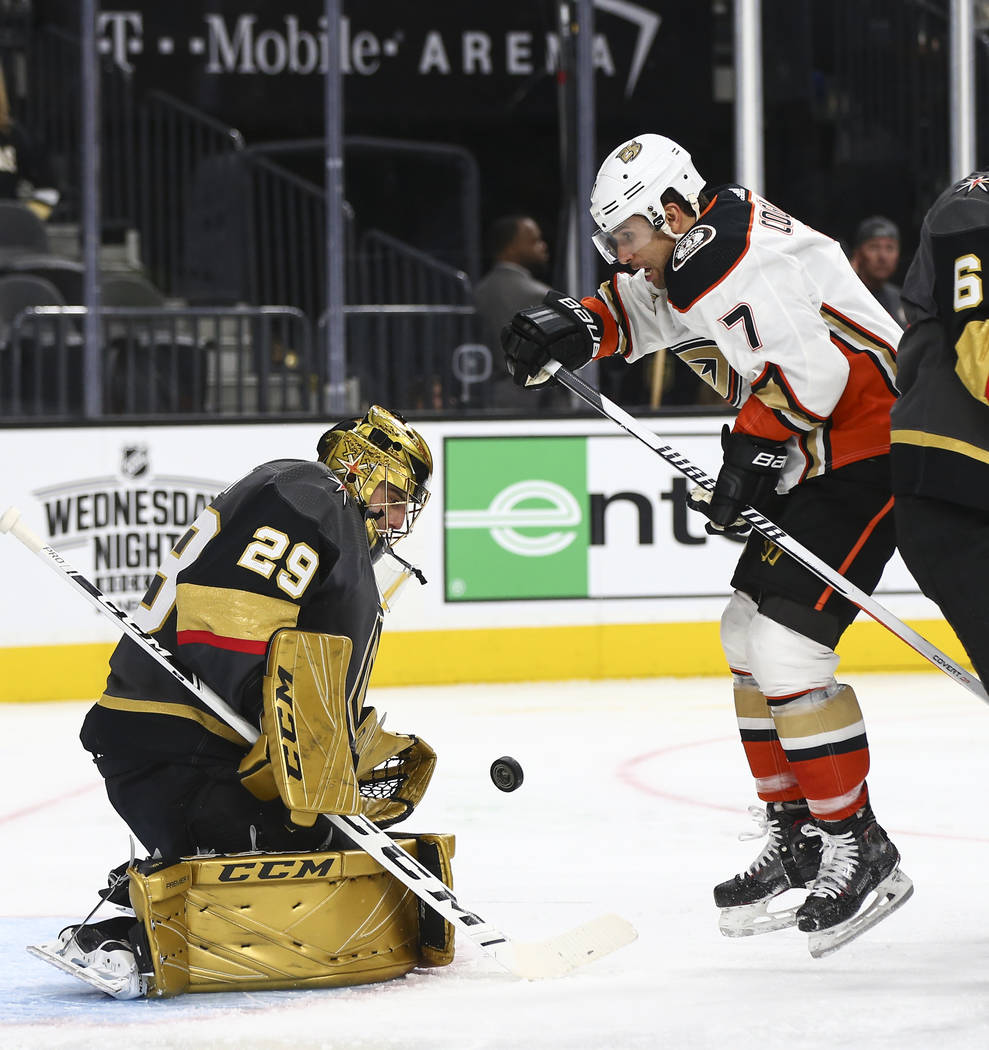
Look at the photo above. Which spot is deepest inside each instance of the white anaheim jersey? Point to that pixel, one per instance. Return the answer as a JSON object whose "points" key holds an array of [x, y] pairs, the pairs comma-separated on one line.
{"points": [[769, 313]]}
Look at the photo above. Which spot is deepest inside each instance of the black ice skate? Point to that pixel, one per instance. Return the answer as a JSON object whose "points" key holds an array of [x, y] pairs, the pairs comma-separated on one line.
{"points": [[858, 885], [789, 860]]}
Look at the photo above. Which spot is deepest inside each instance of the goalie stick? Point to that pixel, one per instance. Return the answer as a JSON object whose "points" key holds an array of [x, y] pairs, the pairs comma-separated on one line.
{"points": [[772, 532], [549, 958]]}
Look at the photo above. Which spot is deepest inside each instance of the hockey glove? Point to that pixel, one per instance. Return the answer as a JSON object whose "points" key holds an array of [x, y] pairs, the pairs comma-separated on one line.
{"points": [[700, 499], [748, 476], [561, 328]]}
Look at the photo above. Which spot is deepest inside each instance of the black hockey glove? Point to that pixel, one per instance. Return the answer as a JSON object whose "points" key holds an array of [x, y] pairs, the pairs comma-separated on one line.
{"points": [[748, 475], [561, 329]]}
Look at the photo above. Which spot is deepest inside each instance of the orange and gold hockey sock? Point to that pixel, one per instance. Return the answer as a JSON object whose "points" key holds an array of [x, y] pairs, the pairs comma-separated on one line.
{"points": [[823, 737], [774, 780]]}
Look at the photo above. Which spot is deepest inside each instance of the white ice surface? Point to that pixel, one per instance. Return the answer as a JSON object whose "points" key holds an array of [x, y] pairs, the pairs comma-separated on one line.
{"points": [[634, 792]]}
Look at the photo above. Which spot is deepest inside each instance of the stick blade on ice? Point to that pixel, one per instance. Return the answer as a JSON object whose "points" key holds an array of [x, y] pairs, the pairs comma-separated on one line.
{"points": [[577, 947]]}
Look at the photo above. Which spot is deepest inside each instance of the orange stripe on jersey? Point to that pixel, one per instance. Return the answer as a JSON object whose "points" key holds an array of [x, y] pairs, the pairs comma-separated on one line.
{"points": [[852, 554], [624, 323], [761, 421], [741, 256], [609, 336], [217, 641]]}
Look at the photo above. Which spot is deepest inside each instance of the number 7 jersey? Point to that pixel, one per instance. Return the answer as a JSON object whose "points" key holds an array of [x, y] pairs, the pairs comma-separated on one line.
{"points": [[283, 547], [769, 313]]}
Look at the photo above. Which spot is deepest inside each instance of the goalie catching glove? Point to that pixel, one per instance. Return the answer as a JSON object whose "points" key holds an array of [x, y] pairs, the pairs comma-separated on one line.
{"points": [[747, 478], [561, 329], [313, 756]]}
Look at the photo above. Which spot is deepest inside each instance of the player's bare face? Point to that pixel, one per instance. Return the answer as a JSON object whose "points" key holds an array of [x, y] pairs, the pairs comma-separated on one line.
{"points": [[640, 245], [391, 500]]}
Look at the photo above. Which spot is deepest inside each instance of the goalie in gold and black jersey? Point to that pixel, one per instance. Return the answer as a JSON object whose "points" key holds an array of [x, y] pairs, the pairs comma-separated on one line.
{"points": [[282, 561], [940, 422]]}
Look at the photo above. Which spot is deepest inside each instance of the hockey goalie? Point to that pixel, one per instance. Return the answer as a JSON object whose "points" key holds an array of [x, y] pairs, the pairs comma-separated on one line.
{"points": [[271, 598]]}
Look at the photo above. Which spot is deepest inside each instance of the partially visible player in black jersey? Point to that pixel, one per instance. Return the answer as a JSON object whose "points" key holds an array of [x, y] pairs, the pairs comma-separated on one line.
{"points": [[290, 545], [940, 423]]}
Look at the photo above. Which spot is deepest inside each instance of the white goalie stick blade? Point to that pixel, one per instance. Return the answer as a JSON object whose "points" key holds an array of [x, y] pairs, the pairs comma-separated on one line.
{"points": [[551, 958], [563, 954], [895, 890], [114, 982], [747, 920]]}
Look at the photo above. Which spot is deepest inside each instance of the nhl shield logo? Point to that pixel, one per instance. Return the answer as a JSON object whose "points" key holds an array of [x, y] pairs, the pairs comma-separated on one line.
{"points": [[629, 152], [134, 461]]}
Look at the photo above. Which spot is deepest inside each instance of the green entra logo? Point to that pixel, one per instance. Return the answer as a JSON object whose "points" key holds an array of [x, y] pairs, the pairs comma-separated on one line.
{"points": [[516, 518]]}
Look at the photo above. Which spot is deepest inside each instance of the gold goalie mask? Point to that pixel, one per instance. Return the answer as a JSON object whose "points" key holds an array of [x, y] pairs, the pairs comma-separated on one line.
{"points": [[380, 450]]}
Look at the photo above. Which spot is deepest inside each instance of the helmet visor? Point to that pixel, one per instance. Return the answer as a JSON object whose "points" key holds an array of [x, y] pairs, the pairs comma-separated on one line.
{"points": [[621, 243]]}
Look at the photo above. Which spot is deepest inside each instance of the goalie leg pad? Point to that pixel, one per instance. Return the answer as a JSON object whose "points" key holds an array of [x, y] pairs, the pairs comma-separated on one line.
{"points": [[256, 921], [308, 725]]}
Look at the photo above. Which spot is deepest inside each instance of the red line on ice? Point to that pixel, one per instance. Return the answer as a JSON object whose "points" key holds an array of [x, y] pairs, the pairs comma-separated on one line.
{"points": [[5, 818], [628, 774]]}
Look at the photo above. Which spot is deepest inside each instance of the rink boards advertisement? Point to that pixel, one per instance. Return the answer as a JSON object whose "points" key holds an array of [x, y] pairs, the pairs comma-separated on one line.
{"points": [[552, 549]]}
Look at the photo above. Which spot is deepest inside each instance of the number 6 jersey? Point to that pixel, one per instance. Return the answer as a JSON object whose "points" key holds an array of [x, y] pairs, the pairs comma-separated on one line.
{"points": [[283, 547], [769, 313], [941, 420]]}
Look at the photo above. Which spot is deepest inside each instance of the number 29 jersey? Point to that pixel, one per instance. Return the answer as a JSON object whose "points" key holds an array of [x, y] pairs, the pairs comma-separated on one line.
{"points": [[769, 313], [283, 547]]}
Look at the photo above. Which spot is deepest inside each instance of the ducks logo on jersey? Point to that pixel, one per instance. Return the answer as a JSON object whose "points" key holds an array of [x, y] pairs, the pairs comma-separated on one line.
{"points": [[692, 241]]}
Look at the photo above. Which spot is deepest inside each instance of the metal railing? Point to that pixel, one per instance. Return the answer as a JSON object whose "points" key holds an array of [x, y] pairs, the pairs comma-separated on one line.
{"points": [[454, 171], [242, 361], [178, 144], [198, 362], [415, 358], [406, 274]]}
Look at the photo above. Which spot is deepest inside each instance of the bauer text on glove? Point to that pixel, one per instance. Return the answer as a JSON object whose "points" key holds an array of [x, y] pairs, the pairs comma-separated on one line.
{"points": [[561, 328]]}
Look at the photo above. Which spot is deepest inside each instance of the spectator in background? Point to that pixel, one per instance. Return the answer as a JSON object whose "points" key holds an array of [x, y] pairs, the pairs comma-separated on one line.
{"points": [[517, 248], [25, 173], [875, 256]]}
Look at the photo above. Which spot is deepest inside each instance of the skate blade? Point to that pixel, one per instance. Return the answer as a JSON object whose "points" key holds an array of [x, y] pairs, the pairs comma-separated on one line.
{"points": [[120, 986], [894, 890], [749, 920]]}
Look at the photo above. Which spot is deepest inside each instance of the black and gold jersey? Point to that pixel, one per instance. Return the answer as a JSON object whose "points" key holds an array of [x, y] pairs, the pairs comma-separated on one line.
{"points": [[283, 547], [940, 422]]}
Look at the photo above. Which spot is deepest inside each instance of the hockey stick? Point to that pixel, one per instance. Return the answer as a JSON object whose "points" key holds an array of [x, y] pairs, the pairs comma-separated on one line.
{"points": [[772, 532], [550, 958]]}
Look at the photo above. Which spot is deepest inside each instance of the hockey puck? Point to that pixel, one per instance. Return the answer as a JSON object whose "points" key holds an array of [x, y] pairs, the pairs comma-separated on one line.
{"points": [[506, 773]]}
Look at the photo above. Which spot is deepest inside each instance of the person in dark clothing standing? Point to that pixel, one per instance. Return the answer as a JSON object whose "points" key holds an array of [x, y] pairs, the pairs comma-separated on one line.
{"points": [[940, 422]]}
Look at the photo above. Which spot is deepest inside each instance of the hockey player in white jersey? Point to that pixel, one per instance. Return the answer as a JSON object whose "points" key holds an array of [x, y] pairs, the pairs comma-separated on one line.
{"points": [[769, 313]]}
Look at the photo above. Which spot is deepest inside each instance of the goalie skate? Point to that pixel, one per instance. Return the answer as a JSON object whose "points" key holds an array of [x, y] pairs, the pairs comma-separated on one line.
{"points": [[789, 860], [104, 963]]}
